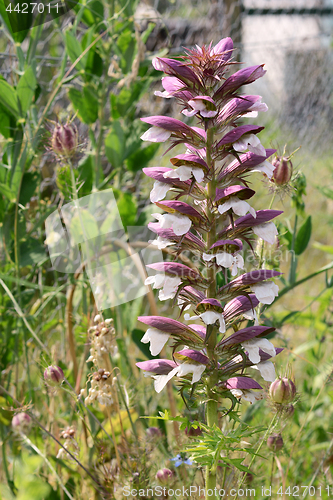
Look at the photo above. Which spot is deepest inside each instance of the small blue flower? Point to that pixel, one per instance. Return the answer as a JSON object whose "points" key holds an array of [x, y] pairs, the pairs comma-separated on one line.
{"points": [[179, 460]]}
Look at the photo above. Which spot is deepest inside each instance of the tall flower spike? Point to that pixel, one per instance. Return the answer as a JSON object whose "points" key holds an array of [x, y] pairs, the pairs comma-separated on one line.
{"points": [[215, 223]]}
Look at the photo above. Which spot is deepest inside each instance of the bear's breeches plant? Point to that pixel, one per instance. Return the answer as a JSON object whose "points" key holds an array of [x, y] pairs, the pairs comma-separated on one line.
{"points": [[208, 214]]}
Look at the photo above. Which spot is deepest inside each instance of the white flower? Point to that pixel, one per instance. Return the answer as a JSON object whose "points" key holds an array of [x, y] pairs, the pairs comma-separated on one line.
{"points": [[225, 259], [250, 142], [267, 370], [168, 284], [265, 292], [239, 207], [180, 303], [184, 173], [160, 243], [247, 395], [157, 340], [238, 263], [266, 168], [266, 231], [156, 134], [210, 318], [251, 315], [197, 371], [255, 108], [199, 105], [159, 191], [180, 370], [180, 224], [252, 347]]}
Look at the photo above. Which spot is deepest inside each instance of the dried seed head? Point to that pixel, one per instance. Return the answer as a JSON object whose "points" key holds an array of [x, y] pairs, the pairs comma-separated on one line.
{"points": [[64, 141], [275, 442], [67, 433], [54, 375], [282, 391]]}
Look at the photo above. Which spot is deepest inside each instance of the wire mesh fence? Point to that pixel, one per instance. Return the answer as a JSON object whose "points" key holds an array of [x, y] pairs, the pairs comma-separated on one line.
{"points": [[294, 40]]}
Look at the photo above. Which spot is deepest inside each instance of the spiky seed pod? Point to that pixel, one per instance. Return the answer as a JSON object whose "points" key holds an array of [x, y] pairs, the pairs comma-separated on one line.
{"points": [[64, 141], [283, 170], [54, 375], [282, 390]]}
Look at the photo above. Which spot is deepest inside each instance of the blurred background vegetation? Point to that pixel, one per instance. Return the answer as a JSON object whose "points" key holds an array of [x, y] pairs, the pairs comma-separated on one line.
{"points": [[92, 66]]}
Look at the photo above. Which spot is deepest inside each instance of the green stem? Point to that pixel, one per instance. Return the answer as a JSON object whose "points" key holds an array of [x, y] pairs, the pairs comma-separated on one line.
{"points": [[37, 450], [212, 403]]}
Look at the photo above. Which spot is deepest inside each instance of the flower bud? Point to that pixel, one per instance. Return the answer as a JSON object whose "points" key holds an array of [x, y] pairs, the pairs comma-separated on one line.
{"points": [[283, 170], [163, 476], [275, 442], [54, 375], [153, 432], [191, 432], [282, 390], [64, 140], [21, 423]]}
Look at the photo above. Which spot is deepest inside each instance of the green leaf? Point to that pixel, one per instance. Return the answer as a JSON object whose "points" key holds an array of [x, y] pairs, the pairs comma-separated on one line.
{"points": [[140, 158], [32, 252], [4, 122], [7, 192], [127, 209], [17, 25], [74, 50], [26, 89], [29, 186], [126, 44], [123, 102], [303, 236], [115, 145], [85, 103], [8, 98]]}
